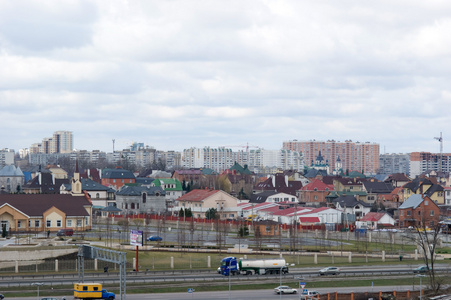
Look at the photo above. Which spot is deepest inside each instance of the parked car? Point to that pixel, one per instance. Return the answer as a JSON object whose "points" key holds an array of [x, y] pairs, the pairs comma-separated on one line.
{"points": [[329, 271], [65, 232], [421, 270], [1, 296], [284, 289], [309, 295], [154, 238]]}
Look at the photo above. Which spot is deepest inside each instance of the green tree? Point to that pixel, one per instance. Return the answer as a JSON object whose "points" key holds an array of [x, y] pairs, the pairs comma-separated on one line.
{"points": [[181, 212], [4, 231], [211, 214], [243, 231], [188, 213]]}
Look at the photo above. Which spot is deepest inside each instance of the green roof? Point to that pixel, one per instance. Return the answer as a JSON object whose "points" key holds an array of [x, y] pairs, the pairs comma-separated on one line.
{"points": [[240, 169], [165, 181]]}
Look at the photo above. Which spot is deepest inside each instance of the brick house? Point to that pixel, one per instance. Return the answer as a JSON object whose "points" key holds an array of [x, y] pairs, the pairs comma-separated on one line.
{"points": [[116, 178], [316, 191], [418, 211]]}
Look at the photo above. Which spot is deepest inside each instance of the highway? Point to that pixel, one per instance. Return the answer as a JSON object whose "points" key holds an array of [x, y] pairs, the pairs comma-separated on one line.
{"points": [[244, 294]]}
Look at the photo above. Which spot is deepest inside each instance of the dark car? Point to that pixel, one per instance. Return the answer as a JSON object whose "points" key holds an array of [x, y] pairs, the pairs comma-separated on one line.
{"points": [[1, 296], [421, 270], [154, 238]]}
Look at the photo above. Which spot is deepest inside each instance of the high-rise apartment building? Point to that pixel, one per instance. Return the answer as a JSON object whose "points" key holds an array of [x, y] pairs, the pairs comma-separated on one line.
{"points": [[62, 142], [354, 156], [392, 163], [259, 160], [421, 162]]}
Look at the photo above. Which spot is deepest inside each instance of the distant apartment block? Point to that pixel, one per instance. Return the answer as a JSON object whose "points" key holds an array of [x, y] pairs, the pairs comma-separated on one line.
{"points": [[6, 157], [259, 160], [421, 162], [354, 156], [60, 142], [394, 163]]}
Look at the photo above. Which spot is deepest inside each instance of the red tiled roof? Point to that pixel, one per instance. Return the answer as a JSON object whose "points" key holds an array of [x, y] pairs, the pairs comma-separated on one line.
{"points": [[372, 217], [309, 219], [197, 195], [318, 185]]}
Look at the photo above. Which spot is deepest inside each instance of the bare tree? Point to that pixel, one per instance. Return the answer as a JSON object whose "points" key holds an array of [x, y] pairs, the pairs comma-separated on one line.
{"points": [[427, 239]]}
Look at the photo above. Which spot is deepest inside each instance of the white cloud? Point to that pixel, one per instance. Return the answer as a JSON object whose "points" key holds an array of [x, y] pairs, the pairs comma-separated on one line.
{"points": [[176, 74]]}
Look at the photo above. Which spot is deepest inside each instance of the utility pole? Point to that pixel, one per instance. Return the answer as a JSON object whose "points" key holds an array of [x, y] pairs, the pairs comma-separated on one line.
{"points": [[440, 140], [113, 144]]}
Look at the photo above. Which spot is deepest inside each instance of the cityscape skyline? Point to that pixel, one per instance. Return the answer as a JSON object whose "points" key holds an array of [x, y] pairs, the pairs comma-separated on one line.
{"points": [[183, 74], [122, 145]]}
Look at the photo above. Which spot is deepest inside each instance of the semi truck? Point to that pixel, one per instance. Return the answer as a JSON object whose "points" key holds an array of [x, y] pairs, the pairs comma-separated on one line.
{"points": [[91, 291], [233, 266]]}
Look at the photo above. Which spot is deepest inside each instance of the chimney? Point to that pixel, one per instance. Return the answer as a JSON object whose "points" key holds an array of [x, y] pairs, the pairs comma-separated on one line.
{"points": [[40, 178]]}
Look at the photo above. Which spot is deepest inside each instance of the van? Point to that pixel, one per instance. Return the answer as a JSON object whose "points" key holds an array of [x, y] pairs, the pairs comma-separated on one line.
{"points": [[65, 232]]}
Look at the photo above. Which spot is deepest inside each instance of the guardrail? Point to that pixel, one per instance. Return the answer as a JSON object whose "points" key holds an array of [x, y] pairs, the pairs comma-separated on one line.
{"points": [[181, 276]]}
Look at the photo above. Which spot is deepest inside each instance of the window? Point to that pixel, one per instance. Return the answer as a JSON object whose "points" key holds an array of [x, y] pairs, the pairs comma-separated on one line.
{"points": [[426, 202], [132, 205], [19, 223], [419, 212], [29, 223], [58, 223], [409, 213], [97, 195], [49, 223], [68, 223], [401, 213], [432, 223], [37, 223], [144, 197], [79, 223], [432, 213], [114, 180]]}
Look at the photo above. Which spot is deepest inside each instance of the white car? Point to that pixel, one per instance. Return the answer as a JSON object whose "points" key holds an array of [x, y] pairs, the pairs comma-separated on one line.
{"points": [[309, 295], [329, 271], [284, 289]]}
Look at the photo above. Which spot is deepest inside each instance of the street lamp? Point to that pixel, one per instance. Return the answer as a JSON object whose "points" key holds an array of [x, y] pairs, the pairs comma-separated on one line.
{"points": [[280, 272], [230, 275], [421, 286], [38, 284]]}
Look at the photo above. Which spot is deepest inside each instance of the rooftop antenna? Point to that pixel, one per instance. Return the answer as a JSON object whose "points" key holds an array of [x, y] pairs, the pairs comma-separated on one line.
{"points": [[113, 144], [440, 139]]}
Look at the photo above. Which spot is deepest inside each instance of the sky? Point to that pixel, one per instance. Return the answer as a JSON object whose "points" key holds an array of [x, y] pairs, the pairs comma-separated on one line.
{"points": [[179, 74]]}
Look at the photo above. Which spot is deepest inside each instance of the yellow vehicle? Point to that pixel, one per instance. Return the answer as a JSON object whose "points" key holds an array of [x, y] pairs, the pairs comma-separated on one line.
{"points": [[91, 291], [251, 217]]}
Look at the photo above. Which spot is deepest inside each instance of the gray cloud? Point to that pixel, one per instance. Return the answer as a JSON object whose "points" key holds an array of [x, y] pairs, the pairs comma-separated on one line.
{"points": [[176, 74]]}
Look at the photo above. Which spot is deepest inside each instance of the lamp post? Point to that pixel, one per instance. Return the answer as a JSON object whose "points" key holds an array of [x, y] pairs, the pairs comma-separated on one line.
{"points": [[421, 285], [230, 285], [280, 272], [38, 284]]}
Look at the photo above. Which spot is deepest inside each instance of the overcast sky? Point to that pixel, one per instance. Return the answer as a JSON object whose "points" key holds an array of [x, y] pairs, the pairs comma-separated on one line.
{"points": [[180, 74]]}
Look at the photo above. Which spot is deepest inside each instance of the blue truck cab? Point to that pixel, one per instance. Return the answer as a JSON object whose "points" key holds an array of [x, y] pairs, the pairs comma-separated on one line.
{"points": [[229, 265]]}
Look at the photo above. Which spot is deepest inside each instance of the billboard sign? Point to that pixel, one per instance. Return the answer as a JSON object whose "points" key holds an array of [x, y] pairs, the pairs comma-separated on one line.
{"points": [[136, 238]]}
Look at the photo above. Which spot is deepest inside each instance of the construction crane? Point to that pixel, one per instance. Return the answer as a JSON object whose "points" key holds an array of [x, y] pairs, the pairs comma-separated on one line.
{"points": [[440, 140]]}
